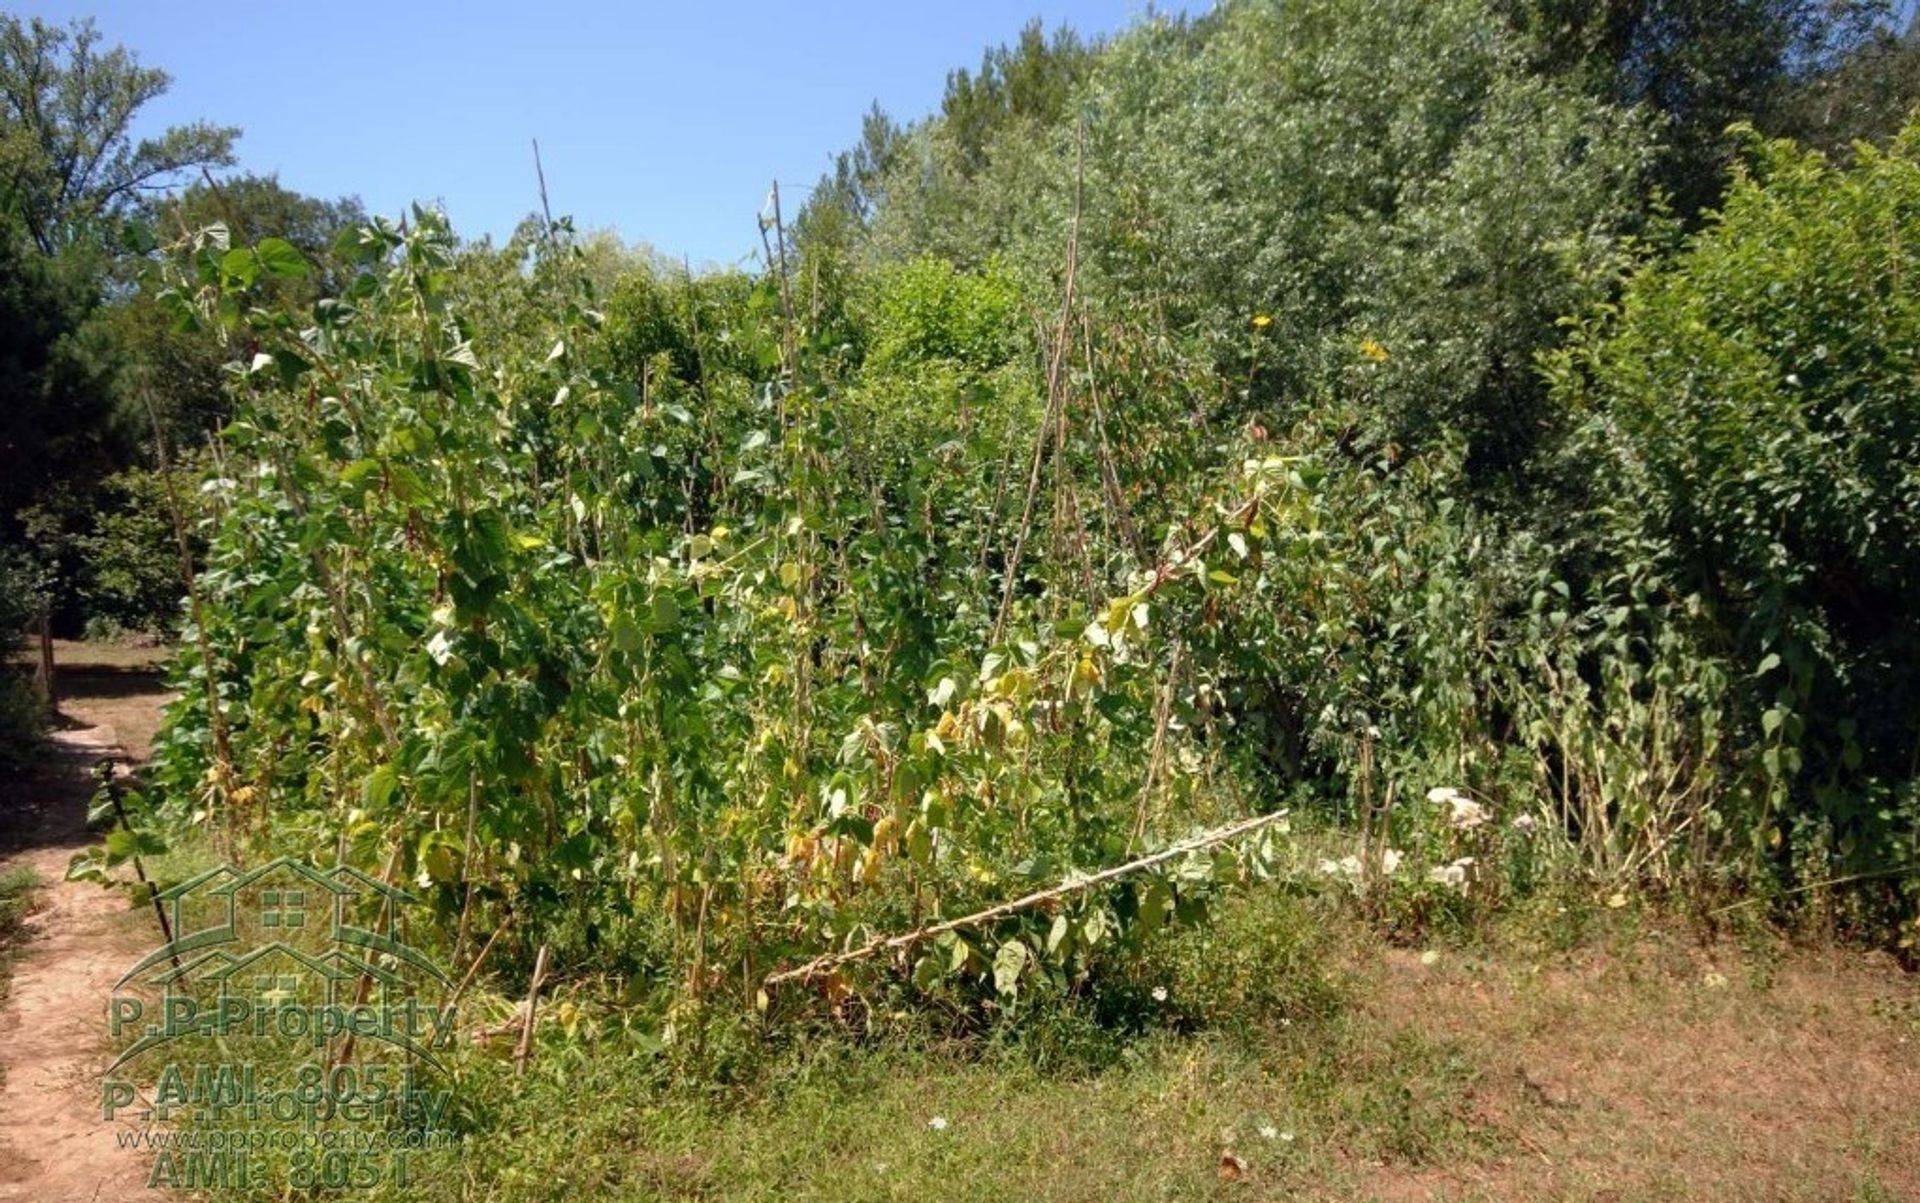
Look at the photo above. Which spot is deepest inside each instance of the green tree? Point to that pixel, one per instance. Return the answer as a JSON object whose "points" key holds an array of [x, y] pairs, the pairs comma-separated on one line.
{"points": [[56, 377], [1751, 423], [1701, 66], [1032, 80], [1866, 96], [67, 108]]}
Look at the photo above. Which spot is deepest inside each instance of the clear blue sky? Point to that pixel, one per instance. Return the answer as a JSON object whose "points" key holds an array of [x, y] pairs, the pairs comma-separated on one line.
{"points": [[663, 121]]}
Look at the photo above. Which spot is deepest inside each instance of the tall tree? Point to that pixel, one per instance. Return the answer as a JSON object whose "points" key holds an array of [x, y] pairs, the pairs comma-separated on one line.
{"points": [[67, 151], [55, 378], [1702, 65], [71, 167], [1032, 79]]}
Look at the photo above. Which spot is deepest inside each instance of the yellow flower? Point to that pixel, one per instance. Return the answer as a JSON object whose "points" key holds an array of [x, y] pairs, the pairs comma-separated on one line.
{"points": [[1374, 351], [1261, 321]]}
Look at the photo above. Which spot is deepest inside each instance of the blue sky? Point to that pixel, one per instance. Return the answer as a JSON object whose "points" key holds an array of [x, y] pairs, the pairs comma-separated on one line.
{"points": [[663, 121]]}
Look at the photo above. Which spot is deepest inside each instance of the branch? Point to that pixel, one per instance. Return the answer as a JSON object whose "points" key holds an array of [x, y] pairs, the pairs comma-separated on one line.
{"points": [[888, 943]]}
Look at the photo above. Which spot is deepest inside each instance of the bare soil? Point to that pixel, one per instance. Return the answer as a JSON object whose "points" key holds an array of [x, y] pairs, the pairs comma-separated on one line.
{"points": [[1665, 1069], [54, 1145]]}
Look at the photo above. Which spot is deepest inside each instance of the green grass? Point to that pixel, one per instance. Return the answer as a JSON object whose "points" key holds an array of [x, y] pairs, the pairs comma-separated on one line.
{"points": [[1560, 1051], [19, 886], [885, 1123], [1258, 1048]]}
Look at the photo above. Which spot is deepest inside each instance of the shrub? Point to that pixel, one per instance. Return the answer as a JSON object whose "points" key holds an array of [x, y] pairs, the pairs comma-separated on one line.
{"points": [[1750, 414]]}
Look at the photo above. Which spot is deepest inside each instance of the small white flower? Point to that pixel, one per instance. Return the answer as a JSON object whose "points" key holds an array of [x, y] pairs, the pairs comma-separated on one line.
{"points": [[1430, 958], [1159, 994], [1268, 1131], [1286, 1137], [938, 1123], [1443, 793], [1389, 861], [1525, 823]]}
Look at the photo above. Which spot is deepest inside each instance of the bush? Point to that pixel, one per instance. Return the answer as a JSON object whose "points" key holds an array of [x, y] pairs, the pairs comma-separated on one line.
{"points": [[23, 722], [131, 557], [23, 716], [1751, 418]]}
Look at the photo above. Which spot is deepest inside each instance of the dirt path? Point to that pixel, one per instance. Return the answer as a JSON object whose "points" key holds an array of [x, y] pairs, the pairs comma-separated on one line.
{"points": [[54, 1145]]}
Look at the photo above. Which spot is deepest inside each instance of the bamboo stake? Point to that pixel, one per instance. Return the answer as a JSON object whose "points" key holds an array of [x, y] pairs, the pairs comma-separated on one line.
{"points": [[540, 173], [189, 576], [1053, 425], [889, 943], [472, 971], [466, 866], [525, 1048], [107, 782]]}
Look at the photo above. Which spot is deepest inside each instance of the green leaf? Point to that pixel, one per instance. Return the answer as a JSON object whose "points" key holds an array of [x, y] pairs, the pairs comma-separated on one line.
{"points": [[240, 264], [441, 863], [355, 474], [281, 259], [407, 485], [1007, 965], [1155, 902], [1093, 928], [663, 613], [379, 787], [1057, 934]]}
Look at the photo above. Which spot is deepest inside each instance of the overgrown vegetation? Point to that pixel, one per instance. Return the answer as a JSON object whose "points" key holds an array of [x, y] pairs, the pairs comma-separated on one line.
{"points": [[1391, 412]]}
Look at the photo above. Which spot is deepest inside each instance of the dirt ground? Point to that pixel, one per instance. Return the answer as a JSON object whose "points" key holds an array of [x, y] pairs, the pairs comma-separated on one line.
{"points": [[54, 1146], [1663, 1069]]}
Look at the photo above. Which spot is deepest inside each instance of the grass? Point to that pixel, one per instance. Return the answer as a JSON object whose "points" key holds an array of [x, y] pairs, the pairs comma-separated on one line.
{"points": [[74, 655], [854, 1124], [19, 886], [1294, 1057]]}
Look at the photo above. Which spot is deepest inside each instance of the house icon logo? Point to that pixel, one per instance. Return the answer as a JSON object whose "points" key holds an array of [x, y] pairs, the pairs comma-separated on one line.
{"points": [[286, 950]]}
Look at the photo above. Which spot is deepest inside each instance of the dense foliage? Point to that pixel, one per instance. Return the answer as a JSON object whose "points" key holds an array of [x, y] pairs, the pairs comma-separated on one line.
{"points": [[1318, 405], [1751, 428]]}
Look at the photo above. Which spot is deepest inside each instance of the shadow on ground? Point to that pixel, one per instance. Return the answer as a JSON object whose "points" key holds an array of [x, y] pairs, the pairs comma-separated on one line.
{"points": [[108, 710]]}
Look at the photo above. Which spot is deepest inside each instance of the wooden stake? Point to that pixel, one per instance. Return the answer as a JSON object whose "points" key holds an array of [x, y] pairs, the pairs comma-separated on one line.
{"points": [[1053, 425], [525, 1049], [1221, 835], [44, 679], [472, 970], [112, 787]]}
